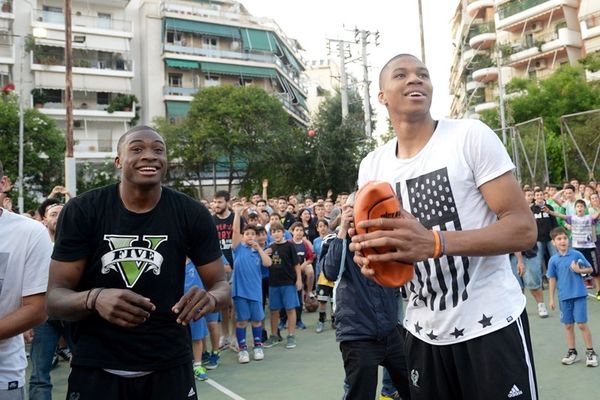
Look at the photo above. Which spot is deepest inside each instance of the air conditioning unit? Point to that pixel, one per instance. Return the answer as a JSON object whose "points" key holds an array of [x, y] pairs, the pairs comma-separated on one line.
{"points": [[539, 64], [537, 26]]}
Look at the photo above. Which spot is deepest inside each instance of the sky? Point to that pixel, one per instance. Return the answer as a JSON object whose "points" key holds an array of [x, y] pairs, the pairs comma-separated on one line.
{"points": [[311, 22]]}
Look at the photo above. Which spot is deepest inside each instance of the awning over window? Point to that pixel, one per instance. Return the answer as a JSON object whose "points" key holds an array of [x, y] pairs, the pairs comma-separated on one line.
{"points": [[258, 40], [299, 96], [291, 58], [184, 64], [204, 28], [176, 109], [241, 70]]}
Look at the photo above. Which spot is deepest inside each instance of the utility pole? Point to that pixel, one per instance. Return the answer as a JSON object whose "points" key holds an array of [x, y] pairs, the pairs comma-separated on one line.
{"points": [[364, 41], [70, 175], [422, 33], [341, 47]]}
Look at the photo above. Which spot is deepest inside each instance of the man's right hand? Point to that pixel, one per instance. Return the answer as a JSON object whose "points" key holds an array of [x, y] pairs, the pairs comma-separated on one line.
{"points": [[123, 307]]}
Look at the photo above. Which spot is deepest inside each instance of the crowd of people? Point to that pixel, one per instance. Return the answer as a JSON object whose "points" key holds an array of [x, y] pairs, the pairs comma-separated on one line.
{"points": [[135, 266]]}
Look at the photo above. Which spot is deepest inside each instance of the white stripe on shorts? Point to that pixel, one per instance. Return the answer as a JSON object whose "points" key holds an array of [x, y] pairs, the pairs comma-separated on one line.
{"points": [[527, 360]]}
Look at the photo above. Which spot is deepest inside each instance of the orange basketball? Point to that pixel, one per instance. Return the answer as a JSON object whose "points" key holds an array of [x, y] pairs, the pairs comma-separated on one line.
{"points": [[377, 200]]}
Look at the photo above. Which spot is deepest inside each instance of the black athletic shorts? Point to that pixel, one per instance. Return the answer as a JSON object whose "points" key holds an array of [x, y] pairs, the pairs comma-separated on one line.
{"points": [[88, 383], [496, 366], [324, 293]]}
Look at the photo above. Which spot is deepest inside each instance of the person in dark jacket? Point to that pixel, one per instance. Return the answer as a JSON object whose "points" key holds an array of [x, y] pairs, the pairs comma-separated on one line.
{"points": [[366, 316]]}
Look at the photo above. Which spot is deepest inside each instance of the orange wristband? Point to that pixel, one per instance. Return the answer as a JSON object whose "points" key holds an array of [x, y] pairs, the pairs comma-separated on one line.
{"points": [[437, 244]]}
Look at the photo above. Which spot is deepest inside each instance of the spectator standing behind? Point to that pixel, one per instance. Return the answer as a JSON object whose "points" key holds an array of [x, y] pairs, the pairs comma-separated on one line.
{"points": [[456, 186], [564, 272], [582, 236], [566, 198], [198, 329], [118, 270], [366, 317], [25, 250], [248, 258]]}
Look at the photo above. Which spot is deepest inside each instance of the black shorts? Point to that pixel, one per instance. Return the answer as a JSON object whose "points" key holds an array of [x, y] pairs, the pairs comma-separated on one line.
{"points": [[88, 383], [496, 366], [324, 293], [590, 256]]}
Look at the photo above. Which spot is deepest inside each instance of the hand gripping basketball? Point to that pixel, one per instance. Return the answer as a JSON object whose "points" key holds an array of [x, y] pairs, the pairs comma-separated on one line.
{"points": [[377, 200]]}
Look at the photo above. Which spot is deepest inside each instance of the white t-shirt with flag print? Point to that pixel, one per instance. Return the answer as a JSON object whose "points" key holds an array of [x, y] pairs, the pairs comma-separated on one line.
{"points": [[452, 299]]}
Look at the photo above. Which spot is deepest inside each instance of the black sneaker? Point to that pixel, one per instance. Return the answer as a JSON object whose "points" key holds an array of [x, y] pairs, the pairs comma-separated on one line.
{"points": [[64, 353]]}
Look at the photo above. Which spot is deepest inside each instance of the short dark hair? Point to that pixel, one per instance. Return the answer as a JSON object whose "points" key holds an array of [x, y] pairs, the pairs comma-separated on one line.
{"points": [[557, 231], [275, 214], [261, 201], [45, 204], [386, 65], [249, 227], [282, 198], [135, 129], [276, 226], [569, 186], [579, 201], [260, 229], [323, 221], [222, 194], [538, 190], [296, 225]]}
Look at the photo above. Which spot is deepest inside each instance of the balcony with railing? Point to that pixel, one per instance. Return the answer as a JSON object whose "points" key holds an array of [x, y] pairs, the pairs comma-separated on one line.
{"points": [[590, 26], [81, 22], [84, 61], [513, 14], [532, 47], [476, 7], [482, 35], [85, 105], [7, 49], [484, 68]]}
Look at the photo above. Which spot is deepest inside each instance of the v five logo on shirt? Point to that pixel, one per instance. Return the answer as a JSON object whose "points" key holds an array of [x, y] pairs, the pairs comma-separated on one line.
{"points": [[132, 261]]}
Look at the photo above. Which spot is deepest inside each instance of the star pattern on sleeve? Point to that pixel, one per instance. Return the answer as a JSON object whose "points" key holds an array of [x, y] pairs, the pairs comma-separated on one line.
{"points": [[486, 321]]}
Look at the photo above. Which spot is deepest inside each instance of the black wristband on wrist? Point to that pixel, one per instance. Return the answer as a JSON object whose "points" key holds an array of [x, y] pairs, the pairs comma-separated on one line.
{"points": [[87, 297], [93, 306]]}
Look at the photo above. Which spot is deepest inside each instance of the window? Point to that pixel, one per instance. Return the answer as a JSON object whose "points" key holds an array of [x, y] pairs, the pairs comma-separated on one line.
{"points": [[176, 80], [174, 37], [105, 140], [209, 42], [53, 95], [103, 98], [52, 15], [210, 80], [245, 81], [104, 20]]}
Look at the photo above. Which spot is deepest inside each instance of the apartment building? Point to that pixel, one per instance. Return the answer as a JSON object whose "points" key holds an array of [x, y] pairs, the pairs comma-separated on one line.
{"points": [[187, 45], [589, 22], [323, 77], [7, 47], [499, 40]]}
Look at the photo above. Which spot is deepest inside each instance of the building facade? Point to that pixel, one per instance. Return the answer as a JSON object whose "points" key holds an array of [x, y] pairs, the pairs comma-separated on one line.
{"points": [[496, 41]]}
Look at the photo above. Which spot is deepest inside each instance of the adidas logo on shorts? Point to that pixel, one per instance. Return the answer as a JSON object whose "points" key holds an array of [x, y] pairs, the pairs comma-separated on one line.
{"points": [[192, 392], [514, 392]]}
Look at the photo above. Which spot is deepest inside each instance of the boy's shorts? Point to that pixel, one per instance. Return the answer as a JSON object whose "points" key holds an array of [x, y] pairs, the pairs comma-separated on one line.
{"points": [[573, 310], [248, 310], [324, 293], [283, 297], [199, 329], [590, 256], [213, 316]]}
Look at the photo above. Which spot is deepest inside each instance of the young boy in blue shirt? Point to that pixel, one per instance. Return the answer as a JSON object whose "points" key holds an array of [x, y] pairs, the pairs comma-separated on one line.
{"points": [[564, 271], [246, 290]]}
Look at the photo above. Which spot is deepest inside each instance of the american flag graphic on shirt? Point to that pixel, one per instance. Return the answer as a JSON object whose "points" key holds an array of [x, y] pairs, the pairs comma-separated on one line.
{"points": [[442, 282]]}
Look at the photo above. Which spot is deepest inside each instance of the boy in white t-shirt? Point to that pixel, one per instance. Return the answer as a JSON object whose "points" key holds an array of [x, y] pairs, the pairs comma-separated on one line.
{"points": [[466, 317], [25, 251]]}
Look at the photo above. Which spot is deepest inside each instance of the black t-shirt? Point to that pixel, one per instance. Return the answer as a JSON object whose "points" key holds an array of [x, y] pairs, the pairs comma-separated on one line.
{"points": [[283, 270], [287, 220], [545, 222], [310, 231], [141, 252], [225, 234]]}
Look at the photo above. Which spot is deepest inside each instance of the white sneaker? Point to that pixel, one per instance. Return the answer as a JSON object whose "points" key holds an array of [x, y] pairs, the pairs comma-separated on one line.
{"points": [[542, 311], [243, 357], [570, 358], [591, 359], [259, 354], [224, 342]]}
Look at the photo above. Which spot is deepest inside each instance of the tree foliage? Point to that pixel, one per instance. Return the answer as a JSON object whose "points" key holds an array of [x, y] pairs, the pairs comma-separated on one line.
{"points": [[43, 149], [566, 91]]}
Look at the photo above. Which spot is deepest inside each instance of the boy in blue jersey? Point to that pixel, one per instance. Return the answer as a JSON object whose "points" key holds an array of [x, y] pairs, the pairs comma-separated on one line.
{"points": [[564, 271], [198, 328], [248, 258]]}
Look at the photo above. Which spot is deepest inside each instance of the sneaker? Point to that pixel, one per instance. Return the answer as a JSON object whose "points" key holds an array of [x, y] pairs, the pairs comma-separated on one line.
{"points": [[272, 341], [320, 327], [234, 346], [542, 311], [300, 325], [243, 357], [64, 353], [224, 342], [213, 361], [591, 358], [258, 353], [570, 358], [205, 357], [393, 396], [291, 342], [200, 372]]}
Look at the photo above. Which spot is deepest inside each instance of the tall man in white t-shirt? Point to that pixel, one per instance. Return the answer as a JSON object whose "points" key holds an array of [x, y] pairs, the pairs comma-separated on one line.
{"points": [[25, 250], [468, 330]]}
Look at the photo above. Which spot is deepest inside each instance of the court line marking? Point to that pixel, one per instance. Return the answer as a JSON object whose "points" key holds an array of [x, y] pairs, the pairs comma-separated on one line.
{"points": [[223, 389]]}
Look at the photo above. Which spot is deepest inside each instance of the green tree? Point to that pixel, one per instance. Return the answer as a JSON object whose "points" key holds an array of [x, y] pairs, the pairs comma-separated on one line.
{"points": [[95, 175], [44, 149], [564, 92]]}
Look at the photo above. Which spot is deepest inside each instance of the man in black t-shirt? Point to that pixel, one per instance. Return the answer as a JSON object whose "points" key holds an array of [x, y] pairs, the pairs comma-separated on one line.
{"points": [[118, 270]]}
